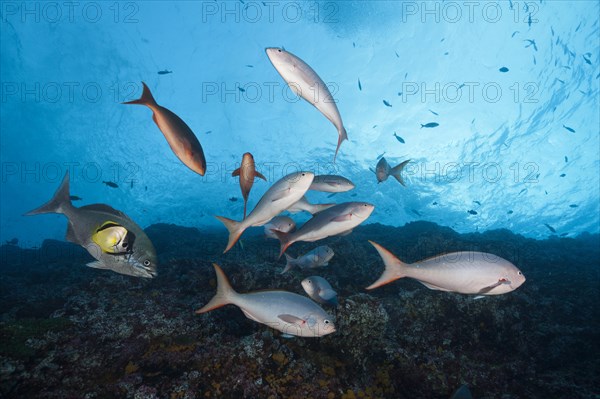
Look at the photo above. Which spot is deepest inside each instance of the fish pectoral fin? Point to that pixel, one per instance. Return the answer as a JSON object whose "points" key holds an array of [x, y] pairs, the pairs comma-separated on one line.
{"points": [[250, 316], [259, 175], [279, 195], [342, 218], [288, 318], [372, 170], [70, 236], [97, 265], [327, 294], [496, 284], [236, 172]]}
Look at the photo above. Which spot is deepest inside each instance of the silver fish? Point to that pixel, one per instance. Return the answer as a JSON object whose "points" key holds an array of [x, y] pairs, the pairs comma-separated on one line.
{"points": [[280, 196], [318, 257], [303, 205], [287, 312], [320, 290], [180, 137], [338, 219], [247, 172], [383, 170], [279, 223], [140, 259], [475, 273], [331, 184], [305, 82]]}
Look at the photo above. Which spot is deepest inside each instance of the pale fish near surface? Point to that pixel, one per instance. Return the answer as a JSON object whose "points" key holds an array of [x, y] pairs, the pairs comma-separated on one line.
{"points": [[280, 196], [180, 137], [331, 184], [318, 257], [320, 290], [303, 205], [305, 82], [247, 172], [339, 219], [280, 223], [290, 313], [140, 258], [476, 273]]}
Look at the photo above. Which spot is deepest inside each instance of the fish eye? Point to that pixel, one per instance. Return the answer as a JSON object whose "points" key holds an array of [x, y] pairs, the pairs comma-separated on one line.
{"points": [[125, 245], [520, 274], [326, 321], [279, 50], [146, 262]]}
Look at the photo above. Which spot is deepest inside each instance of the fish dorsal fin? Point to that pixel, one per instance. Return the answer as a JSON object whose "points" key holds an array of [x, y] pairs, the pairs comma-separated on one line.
{"points": [[70, 236], [103, 208]]}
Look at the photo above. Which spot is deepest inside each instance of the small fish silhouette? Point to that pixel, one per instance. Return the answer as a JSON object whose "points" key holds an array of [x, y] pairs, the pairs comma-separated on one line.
{"points": [[387, 104], [111, 184]]}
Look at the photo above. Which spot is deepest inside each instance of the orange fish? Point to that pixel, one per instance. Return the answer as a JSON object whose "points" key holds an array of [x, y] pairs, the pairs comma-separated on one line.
{"points": [[247, 172], [180, 137]]}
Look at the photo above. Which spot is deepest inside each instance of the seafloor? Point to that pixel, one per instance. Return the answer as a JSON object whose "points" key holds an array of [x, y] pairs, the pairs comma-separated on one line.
{"points": [[68, 331]]}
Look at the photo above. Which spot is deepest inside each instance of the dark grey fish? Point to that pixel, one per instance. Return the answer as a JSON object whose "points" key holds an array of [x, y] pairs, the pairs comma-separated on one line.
{"points": [[416, 212], [574, 206], [510, 212], [433, 112], [399, 94], [164, 72], [434, 203], [241, 89], [233, 199], [570, 129], [578, 26], [522, 191], [387, 104], [75, 198], [359, 85], [430, 125], [397, 54], [562, 175], [209, 132], [111, 184], [400, 139], [472, 212], [477, 202], [566, 159], [531, 43], [529, 20], [383, 170], [514, 33], [249, 66], [552, 229], [587, 61], [503, 69]]}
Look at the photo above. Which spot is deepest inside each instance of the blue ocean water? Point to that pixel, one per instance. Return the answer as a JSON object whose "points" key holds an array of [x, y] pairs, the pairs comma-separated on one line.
{"points": [[495, 104]]}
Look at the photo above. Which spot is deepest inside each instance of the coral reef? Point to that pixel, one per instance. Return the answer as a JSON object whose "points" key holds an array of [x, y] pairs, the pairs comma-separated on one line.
{"points": [[68, 331]]}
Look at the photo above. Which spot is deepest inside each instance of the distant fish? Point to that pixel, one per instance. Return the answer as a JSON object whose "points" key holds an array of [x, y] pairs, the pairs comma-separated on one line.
{"points": [[305, 82], [241, 89], [466, 272], [131, 183], [208, 132], [552, 229], [75, 198], [569, 129], [111, 184], [562, 175], [337, 220], [514, 33], [303, 205], [472, 212], [247, 173], [181, 139], [353, 44], [477, 202], [433, 112], [319, 290], [434, 203], [279, 223], [522, 191], [249, 66], [529, 20], [281, 195], [574, 206], [397, 54], [510, 5], [386, 103], [380, 155], [400, 139], [287, 312], [13, 241], [233, 199], [531, 43], [164, 72], [374, 126], [359, 85], [416, 212], [430, 125], [331, 184], [510, 212], [399, 94], [331, 195], [587, 61], [383, 170], [318, 257], [503, 69], [578, 26]]}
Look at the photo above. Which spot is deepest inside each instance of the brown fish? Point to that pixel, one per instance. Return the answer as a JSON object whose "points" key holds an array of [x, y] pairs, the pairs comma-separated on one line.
{"points": [[180, 137], [247, 172]]}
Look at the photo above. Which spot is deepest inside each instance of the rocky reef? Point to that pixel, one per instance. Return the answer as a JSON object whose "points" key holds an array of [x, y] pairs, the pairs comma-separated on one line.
{"points": [[68, 331]]}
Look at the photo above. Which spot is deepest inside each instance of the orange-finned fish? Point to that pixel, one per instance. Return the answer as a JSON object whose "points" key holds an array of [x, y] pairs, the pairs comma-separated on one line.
{"points": [[180, 137]]}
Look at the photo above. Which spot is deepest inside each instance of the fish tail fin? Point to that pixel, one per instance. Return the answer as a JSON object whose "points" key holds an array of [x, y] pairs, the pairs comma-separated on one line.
{"points": [[284, 239], [235, 231], [290, 263], [397, 172], [225, 293], [59, 201], [321, 207], [394, 267], [422, 126], [145, 99], [342, 135]]}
